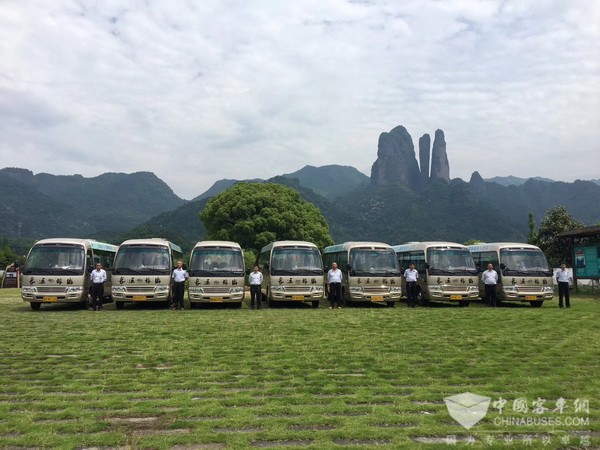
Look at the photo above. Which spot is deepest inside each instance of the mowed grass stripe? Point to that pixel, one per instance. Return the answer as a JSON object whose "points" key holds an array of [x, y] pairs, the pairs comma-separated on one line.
{"points": [[293, 378]]}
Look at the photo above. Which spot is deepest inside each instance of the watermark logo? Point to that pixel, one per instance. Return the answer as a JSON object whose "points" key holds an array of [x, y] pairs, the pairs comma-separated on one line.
{"points": [[467, 408]]}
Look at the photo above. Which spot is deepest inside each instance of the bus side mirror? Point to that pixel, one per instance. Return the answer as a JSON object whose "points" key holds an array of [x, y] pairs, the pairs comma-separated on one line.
{"points": [[502, 266], [266, 266], [348, 267], [427, 266]]}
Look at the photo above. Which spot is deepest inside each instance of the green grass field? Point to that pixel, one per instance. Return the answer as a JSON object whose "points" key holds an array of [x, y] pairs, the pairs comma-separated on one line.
{"points": [[294, 377]]}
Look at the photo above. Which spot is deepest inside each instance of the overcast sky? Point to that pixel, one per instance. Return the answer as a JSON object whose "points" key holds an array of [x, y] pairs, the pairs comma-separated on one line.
{"points": [[196, 91]]}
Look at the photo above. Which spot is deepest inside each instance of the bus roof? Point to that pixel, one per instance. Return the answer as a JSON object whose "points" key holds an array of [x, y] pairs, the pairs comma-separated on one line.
{"points": [[409, 246], [354, 244], [152, 241], [495, 246], [286, 244], [217, 244], [87, 243]]}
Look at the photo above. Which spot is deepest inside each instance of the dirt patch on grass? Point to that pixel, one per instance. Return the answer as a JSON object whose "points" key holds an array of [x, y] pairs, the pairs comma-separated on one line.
{"points": [[290, 443], [368, 442], [312, 427], [238, 430]]}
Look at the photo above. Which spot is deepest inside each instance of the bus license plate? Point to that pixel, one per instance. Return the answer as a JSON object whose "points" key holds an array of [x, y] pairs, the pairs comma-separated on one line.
{"points": [[530, 297], [456, 297], [377, 298], [139, 297], [297, 297], [50, 299], [216, 299]]}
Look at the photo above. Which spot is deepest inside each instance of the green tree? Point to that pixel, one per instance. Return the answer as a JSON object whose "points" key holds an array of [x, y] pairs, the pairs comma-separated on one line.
{"points": [[532, 236], [556, 220], [473, 242], [254, 214]]}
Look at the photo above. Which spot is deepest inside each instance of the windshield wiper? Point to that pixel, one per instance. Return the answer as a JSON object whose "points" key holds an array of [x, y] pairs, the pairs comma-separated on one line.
{"points": [[125, 269], [36, 270]]}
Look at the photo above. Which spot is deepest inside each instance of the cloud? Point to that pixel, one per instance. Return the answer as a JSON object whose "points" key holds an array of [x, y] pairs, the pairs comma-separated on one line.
{"points": [[195, 92]]}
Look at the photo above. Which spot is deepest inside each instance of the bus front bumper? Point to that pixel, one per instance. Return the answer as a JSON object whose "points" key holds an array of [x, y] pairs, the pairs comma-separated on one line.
{"points": [[515, 295], [123, 294], [279, 294], [375, 297], [232, 296], [71, 294]]}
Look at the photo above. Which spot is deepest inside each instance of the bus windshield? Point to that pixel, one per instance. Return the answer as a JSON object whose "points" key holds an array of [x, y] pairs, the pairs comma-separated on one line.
{"points": [[524, 262], [296, 261], [137, 259], [219, 262], [450, 261], [372, 262], [55, 260]]}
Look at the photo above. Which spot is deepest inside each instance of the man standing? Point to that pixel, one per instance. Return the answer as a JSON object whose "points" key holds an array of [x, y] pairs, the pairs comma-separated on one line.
{"points": [[97, 277], [334, 280], [562, 277], [490, 279], [255, 279], [411, 276], [179, 276]]}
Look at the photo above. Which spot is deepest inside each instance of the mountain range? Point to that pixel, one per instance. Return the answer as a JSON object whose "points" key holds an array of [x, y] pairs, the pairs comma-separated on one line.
{"points": [[404, 200]]}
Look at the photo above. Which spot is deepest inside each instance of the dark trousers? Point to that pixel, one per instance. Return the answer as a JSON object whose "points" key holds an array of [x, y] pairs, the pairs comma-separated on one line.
{"points": [[563, 291], [178, 288], [411, 292], [335, 294], [255, 295], [96, 294], [490, 295]]}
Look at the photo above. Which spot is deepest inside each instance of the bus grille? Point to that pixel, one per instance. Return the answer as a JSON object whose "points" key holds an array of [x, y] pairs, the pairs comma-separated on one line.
{"points": [[376, 290], [49, 289], [529, 289], [215, 290], [140, 288], [297, 288], [455, 288]]}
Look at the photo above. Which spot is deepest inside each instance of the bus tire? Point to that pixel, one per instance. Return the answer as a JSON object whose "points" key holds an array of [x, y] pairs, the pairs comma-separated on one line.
{"points": [[463, 304], [315, 303], [120, 305], [536, 304], [421, 300], [35, 305], [391, 304], [237, 305]]}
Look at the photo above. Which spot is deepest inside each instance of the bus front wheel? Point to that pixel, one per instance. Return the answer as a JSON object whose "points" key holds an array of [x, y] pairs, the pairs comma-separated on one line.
{"points": [[391, 304], [35, 305], [120, 305], [315, 303]]}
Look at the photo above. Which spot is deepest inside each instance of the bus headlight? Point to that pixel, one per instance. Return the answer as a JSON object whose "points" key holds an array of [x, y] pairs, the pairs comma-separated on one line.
{"points": [[547, 289], [510, 289], [472, 289], [161, 289], [316, 289], [395, 290], [119, 289], [74, 289], [237, 290], [29, 289], [195, 290], [435, 287], [356, 289], [277, 289]]}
